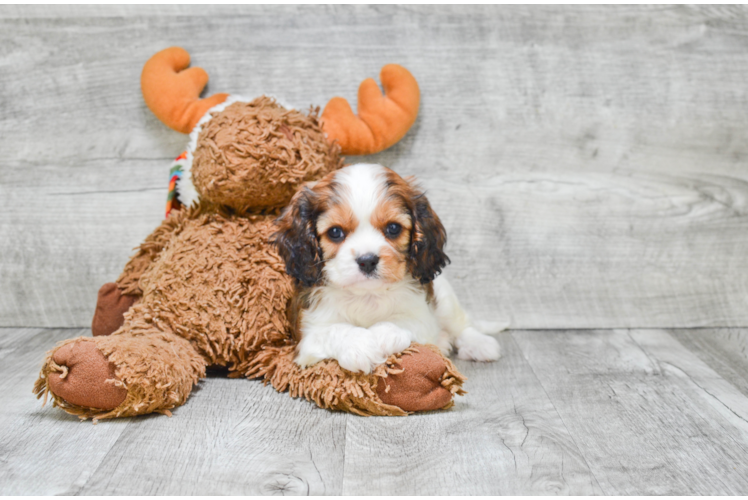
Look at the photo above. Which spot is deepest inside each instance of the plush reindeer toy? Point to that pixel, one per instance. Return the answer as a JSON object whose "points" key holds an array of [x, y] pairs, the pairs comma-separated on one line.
{"points": [[207, 287]]}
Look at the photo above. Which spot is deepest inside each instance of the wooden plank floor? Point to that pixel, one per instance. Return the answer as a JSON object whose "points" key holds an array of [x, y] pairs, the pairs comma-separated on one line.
{"points": [[563, 412]]}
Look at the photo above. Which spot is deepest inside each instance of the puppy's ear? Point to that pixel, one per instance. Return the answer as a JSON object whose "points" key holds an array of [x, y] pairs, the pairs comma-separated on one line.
{"points": [[427, 257], [296, 238]]}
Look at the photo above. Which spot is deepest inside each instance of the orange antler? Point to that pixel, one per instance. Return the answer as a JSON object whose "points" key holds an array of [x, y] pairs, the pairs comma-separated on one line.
{"points": [[173, 92], [382, 119]]}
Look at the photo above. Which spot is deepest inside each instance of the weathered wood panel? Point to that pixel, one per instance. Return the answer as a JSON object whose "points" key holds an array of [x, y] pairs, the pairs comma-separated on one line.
{"points": [[725, 350], [503, 438], [648, 416], [43, 451], [589, 162], [233, 437], [576, 412]]}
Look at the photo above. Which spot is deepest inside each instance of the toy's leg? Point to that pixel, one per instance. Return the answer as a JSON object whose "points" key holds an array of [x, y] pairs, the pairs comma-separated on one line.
{"points": [[111, 306], [115, 299], [124, 374], [417, 379]]}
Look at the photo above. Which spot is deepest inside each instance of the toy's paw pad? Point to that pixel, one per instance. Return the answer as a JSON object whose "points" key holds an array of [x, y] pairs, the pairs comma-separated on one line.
{"points": [[475, 346], [111, 307], [418, 387], [87, 377]]}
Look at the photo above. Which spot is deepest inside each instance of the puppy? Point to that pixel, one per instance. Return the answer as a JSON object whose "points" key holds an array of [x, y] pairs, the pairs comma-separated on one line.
{"points": [[366, 250]]}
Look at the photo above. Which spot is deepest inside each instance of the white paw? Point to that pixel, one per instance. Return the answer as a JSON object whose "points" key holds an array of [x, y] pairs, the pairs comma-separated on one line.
{"points": [[361, 352], [475, 346], [490, 327], [305, 360], [390, 337]]}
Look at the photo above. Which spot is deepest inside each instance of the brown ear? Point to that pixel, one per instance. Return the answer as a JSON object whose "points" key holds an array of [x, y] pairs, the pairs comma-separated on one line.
{"points": [[382, 119], [427, 257], [172, 92], [296, 238]]}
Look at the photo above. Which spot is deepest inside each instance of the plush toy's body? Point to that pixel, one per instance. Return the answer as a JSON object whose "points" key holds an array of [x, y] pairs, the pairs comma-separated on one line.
{"points": [[208, 288]]}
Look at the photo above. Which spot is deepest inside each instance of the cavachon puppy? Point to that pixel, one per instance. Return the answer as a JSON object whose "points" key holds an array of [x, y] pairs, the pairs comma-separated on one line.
{"points": [[366, 251]]}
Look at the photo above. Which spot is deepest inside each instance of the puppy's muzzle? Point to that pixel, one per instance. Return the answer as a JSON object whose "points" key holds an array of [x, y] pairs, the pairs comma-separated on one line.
{"points": [[367, 263]]}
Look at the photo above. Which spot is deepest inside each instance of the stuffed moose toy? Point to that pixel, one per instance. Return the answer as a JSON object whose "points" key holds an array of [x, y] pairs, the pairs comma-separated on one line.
{"points": [[208, 288]]}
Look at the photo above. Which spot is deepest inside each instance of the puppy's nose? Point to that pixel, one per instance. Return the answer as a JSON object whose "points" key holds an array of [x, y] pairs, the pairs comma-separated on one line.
{"points": [[367, 263]]}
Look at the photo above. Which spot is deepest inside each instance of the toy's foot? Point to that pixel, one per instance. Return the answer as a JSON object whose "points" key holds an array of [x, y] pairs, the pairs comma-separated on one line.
{"points": [[83, 376], [111, 307], [419, 386]]}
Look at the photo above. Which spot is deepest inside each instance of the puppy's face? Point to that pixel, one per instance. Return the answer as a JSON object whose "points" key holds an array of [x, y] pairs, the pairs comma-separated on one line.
{"points": [[363, 226]]}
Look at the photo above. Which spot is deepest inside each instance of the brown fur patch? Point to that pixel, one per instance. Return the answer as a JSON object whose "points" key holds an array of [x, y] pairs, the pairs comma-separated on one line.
{"points": [[392, 265], [428, 237], [256, 155], [340, 215], [296, 305], [394, 208]]}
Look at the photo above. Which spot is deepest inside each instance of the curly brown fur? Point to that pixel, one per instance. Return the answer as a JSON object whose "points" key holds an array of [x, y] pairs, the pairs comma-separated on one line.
{"points": [[158, 369], [257, 154], [329, 386], [221, 286], [149, 250]]}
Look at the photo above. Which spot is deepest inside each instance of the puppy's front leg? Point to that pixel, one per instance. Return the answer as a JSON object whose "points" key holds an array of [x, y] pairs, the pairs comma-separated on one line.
{"points": [[356, 349]]}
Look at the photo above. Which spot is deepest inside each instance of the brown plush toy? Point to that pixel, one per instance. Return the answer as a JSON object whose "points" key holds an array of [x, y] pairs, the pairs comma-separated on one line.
{"points": [[208, 288]]}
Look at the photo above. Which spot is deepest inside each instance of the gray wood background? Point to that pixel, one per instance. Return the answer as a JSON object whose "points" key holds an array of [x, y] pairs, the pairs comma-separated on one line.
{"points": [[589, 162]]}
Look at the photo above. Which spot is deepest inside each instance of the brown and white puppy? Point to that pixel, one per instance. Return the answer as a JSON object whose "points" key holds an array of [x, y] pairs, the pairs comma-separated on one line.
{"points": [[366, 250]]}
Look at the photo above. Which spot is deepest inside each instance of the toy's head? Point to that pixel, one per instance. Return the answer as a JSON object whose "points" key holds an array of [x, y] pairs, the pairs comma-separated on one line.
{"points": [[250, 155], [256, 154]]}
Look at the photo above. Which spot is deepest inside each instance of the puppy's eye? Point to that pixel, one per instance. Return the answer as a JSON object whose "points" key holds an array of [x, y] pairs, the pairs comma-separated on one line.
{"points": [[393, 230], [335, 234]]}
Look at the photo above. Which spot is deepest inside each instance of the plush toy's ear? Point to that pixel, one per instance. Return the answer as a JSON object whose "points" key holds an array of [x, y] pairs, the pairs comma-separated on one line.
{"points": [[427, 257], [296, 238], [382, 119], [172, 92]]}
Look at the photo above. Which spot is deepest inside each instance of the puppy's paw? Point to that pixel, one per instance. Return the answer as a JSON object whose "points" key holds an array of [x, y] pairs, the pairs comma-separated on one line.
{"points": [[390, 337], [306, 359], [475, 346], [361, 353]]}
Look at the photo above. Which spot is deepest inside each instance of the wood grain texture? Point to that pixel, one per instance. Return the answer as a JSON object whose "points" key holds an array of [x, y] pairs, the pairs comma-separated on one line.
{"points": [[648, 416], [563, 412], [724, 350], [503, 438], [589, 162], [43, 451], [234, 437]]}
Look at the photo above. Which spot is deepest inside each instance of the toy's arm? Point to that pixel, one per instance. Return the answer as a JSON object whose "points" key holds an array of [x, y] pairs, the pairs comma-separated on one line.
{"points": [[149, 250], [419, 378], [382, 119]]}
